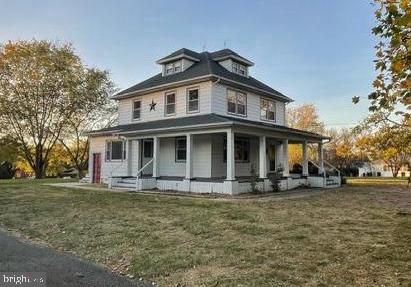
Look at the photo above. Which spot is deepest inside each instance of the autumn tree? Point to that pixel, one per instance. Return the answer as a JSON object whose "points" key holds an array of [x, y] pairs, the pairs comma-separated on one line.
{"points": [[42, 85], [390, 102], [303, 117], [97, 111], [392, 145]]}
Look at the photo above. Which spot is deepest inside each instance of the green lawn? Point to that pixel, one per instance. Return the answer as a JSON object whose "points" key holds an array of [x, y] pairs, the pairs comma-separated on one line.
{"points": [[358, 235]]}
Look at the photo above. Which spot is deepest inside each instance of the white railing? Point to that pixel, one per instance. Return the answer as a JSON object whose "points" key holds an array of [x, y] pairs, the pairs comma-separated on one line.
{"points": [[143, 168]]}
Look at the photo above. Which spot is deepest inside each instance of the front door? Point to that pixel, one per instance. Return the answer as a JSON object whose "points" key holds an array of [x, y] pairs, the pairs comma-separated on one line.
{"points": [[147, 155], [96, 167], [271, 157]]}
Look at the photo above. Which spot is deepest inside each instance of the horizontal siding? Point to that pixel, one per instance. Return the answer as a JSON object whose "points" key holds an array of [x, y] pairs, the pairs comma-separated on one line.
{"points": [[219, 105], [125, 105]]}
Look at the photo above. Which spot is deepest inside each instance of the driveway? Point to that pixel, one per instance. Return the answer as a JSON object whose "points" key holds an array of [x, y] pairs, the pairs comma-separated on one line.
{"points": [[61, 269]]}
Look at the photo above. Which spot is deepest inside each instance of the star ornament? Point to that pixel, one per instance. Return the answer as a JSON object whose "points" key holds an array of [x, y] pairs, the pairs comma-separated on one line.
{"points": [[153, 106]]}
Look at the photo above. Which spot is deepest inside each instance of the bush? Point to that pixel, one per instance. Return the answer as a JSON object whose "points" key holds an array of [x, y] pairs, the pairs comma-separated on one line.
{"points": [[6, 170], [275, 179], [253, 179]]}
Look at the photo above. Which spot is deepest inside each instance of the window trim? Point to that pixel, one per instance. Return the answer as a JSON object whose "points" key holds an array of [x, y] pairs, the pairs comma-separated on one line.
{"points": [[275, 110], [124, 151], [176, 150], [133, 109], [188, 100], [165, 103], [236, 103]]}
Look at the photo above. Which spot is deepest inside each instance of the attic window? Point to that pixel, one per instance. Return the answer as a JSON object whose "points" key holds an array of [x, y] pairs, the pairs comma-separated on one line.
{"points": [[239, 69], [172, 68]]}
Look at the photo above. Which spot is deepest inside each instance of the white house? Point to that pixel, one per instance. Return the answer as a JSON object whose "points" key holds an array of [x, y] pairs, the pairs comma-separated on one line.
{"points": [[199, 126], [380, 168]]}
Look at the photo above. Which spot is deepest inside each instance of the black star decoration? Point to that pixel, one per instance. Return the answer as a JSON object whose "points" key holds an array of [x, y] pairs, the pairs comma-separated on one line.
{"points": [[153, 106]]}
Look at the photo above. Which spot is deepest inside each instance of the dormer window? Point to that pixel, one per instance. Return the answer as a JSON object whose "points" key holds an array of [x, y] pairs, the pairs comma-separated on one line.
{"points": [[174, 67], [239, 69]]}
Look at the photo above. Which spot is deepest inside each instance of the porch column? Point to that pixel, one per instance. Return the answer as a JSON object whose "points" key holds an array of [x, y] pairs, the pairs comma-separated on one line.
{"points": [[278, 155], [320, 158], [137, 156], [305, 159], [230, 156], [286, 171], [189, 157], [263, 158], [156, 157], [129, 156]]}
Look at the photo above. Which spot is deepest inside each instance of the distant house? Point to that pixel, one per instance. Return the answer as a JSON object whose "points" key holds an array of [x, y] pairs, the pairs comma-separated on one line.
{"points": [[380, 168], [200, 125]]}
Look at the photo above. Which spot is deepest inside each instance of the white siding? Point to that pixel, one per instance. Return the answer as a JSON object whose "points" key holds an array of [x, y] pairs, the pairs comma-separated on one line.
{"points": [[125, 106], [108, 168], [201, 157], [219, 105]]}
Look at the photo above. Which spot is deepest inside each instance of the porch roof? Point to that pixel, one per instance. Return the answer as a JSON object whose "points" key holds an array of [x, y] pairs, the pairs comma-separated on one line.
{"points": [[198, 122]]}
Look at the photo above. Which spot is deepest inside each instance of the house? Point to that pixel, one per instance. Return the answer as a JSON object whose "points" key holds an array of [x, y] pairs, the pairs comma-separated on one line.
{"points": [[380, 168], [200, 125]]}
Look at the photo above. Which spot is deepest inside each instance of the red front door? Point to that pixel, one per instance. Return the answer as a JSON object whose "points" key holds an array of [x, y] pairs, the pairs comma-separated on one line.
{"points": [[96, 167]]}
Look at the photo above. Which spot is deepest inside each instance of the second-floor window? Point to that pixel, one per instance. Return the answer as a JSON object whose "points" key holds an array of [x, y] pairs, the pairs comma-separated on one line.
{"points": [[236, 103], [170, 106], [267, 109], [136, 110], [172, 68], [192, 101]]}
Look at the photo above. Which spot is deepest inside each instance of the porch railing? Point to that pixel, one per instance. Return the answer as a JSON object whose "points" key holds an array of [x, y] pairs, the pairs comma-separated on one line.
{"points": [[143, 168]]}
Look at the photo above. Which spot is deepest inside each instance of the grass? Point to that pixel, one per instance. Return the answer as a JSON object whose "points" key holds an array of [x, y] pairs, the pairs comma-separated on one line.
{"points": [[358, 235], [378, 180]]}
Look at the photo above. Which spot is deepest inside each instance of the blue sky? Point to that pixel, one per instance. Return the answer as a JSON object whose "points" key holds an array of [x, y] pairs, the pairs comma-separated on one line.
{"points": [[314, 51]]}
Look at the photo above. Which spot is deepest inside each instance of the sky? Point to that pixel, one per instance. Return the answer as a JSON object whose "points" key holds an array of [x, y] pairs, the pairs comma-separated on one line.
{"points": [[315, 51]]}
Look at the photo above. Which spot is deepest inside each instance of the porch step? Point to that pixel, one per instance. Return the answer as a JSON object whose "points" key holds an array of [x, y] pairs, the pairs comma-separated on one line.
{"points": [[127, 180], [124, 184]]}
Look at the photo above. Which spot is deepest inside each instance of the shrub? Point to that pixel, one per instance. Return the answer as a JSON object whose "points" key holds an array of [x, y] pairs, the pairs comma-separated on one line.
{"points": [[6, 170], [253, 179], [275, 179]]}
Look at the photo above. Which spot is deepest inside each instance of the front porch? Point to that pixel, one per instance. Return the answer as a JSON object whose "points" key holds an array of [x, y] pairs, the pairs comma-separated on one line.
{"points": [[215, 161]]}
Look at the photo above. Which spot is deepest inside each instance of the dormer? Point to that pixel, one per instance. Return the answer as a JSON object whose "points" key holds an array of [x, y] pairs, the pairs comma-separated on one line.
{"points": [[233, 62], [178, 61]]}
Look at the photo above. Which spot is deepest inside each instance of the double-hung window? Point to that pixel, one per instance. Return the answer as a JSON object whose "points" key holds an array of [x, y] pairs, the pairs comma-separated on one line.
{"points": [[115, 150], [170, 107], [192, 100], [267, 109], [136, 110], [236, 103], [181, 149]]}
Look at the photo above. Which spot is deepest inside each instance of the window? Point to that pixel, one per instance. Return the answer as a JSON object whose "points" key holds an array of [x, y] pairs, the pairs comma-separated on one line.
{"points": [[136, 110], [172, 68], [239, 69], [267, 109], [192, 101], [181, 149], [241, 150], [236, 103], [115, 150], [170, 103]]}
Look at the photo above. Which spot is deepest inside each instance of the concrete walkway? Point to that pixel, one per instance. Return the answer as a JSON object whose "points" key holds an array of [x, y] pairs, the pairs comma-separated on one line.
{"points": [[62, 270]]}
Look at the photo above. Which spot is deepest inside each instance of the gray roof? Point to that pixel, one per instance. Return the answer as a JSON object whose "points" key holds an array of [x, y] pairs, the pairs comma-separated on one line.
{"points": [[206, 66], [180, 53], [196, 121]]}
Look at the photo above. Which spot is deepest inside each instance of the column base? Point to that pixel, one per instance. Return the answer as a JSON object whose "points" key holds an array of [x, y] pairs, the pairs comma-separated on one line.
{"points": [[230, 187]]}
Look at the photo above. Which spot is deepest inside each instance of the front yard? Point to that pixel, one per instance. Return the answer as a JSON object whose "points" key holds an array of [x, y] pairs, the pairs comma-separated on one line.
{"points": [[356, 235]]}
